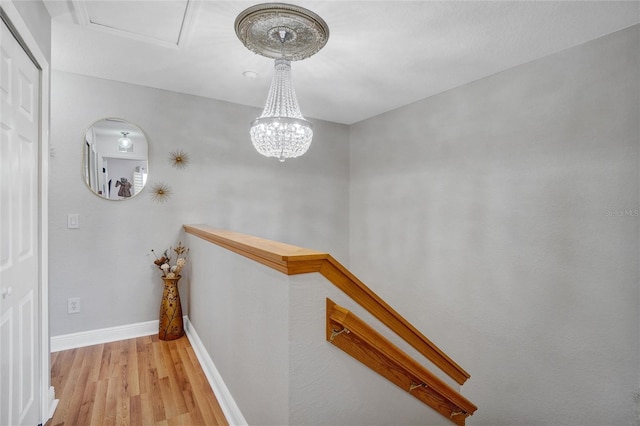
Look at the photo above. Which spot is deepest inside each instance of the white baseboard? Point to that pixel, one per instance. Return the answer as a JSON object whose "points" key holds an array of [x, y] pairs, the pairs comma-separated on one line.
{"points": [[52, 402], [225, 399], [103, 335]]}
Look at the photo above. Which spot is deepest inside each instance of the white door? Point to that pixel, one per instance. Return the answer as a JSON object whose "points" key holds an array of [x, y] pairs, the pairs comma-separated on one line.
{"points": [[19, 251]]}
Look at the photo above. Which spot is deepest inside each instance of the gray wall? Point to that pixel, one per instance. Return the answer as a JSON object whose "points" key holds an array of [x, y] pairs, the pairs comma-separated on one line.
{"points": [[240, 311], [506, 209], [266, 334], [502, 218], [107, 261]]}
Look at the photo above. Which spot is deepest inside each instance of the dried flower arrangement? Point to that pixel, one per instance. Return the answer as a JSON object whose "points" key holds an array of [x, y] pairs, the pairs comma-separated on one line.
{"points": [[164, 262]]}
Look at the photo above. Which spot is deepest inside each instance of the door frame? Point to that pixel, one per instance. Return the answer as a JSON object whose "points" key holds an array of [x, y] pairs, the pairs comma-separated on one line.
{"points": [[48, 402]]}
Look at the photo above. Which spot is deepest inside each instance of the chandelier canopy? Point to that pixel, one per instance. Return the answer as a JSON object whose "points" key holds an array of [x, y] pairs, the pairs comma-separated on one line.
{"points": [[285, 33]]}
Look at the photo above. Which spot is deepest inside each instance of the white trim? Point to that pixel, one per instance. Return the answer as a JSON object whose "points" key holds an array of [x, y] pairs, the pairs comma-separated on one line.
{"points": [[225, 399], [188, 22], [186, 29], [47, 405], [52, 402], [81, 14], [103, 335]]}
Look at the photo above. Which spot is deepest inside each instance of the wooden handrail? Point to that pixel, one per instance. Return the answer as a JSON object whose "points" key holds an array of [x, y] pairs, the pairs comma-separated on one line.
{"points": [[293, 260], [349, 333]]}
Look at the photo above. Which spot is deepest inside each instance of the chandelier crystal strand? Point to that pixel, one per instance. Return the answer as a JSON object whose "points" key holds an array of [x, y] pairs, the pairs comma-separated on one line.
{"points": [[281, 131]]}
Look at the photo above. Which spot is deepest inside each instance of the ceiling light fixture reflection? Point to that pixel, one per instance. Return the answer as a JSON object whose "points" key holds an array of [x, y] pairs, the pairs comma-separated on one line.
{"points": [[124, 143]]}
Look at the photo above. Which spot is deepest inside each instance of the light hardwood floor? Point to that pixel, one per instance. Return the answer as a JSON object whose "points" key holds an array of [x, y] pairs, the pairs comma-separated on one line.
{"points": [[142, 381]]}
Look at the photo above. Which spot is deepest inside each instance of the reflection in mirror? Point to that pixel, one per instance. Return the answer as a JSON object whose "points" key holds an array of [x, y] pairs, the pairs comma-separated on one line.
{"points": [[115, 161]]}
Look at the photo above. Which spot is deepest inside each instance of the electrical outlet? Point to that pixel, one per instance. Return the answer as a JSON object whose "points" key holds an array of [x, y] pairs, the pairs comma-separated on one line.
{"points": [[73, 305]]}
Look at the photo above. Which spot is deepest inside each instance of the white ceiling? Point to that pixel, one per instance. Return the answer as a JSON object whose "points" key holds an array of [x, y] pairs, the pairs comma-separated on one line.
{"points": [[380, 54]]}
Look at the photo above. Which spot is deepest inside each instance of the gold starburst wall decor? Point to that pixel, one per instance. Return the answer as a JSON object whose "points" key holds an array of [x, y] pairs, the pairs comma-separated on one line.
{"points": [[160, 192], [179, 159]]}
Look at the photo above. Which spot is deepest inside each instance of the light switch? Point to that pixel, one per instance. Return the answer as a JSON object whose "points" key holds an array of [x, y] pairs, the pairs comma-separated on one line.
{"points": [[73, 221]]}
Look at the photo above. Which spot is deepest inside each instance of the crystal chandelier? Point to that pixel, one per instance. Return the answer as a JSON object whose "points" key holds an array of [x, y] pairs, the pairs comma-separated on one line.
{"points": [[281, 131], [285, 33]]}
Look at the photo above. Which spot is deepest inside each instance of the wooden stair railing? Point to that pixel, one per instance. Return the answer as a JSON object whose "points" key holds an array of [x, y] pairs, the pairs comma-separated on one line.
{"points": [[293, 260], [349, 333]]}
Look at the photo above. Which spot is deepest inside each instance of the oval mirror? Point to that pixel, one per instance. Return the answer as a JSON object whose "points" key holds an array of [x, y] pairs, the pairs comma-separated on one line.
{"points": [[115, 160]]}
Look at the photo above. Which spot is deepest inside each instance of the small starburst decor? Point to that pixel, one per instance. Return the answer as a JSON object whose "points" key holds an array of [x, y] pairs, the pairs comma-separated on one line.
{"points": [[160, 192], [179, 159]]}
